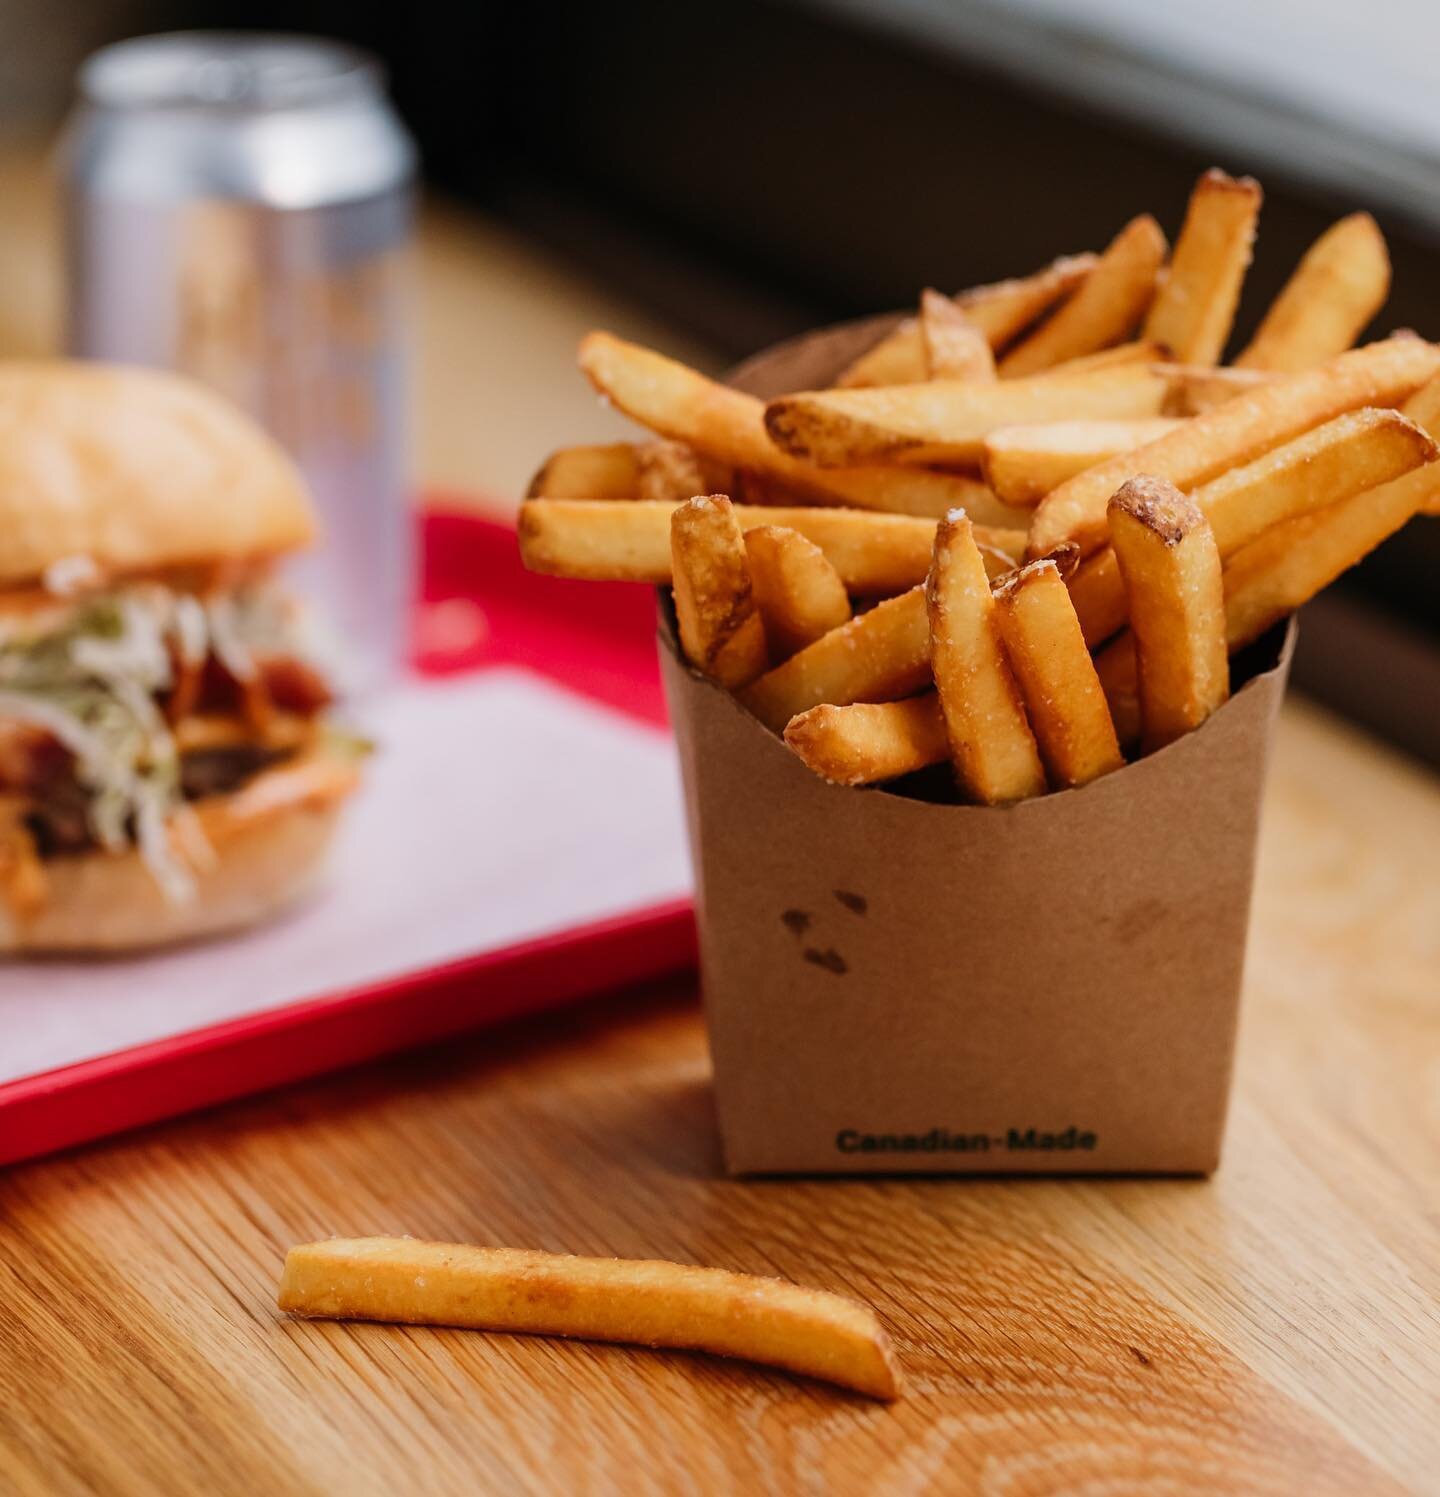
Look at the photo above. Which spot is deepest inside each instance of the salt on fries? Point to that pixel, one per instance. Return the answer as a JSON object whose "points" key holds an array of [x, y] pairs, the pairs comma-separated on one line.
{"points": [[639, 1302], [952, 554]]}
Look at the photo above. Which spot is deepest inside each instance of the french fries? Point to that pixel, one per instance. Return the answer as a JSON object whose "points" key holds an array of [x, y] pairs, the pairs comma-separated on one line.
{"points": [[992, 749], [876, 657], [1171, 567], [955, 348], [606, 471], [869, 742], [1106, 309], [671, 471], [1023, 463], [634, 1301], [799, 594], [1357, 451], [1282, 569], [1423, 408], [629, 541], [946, 421], [1193, 389], [728, 426], [1138, 351], [1340, 284], [1193, 311], [1062, 695], [717, 619], [1236, 432], [1001, 311]]}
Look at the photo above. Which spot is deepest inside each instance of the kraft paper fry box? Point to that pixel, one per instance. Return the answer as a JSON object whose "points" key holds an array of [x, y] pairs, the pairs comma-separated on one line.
{"points": [[897, 984]]}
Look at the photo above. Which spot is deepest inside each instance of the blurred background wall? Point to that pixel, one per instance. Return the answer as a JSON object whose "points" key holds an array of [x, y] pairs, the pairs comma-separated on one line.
{"points": [[748, 169]]}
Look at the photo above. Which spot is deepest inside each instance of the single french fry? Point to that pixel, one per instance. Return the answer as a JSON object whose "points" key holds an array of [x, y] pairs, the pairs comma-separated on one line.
{"points": [[604, 471], [1171, 566], [947, 421], [1106, 309], [1357, 451], [1001, 311], [878, 656], [634, 1301], [673, 472], [875, 554], [1193, 389], [1195, 306], [799, 594], [1285, 566], [992, 748], [1339, 285], [1023, 463], [955, 348], [720, 627], [1062, 694], [728, 426], [867, 742], [1240, 430]]}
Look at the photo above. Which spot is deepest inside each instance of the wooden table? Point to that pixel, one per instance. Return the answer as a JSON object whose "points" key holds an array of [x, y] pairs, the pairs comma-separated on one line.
{"points": [[1276, 1329]]}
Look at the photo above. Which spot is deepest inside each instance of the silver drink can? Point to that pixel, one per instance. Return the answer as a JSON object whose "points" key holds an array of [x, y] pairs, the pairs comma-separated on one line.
{"points": [[239, 208]]}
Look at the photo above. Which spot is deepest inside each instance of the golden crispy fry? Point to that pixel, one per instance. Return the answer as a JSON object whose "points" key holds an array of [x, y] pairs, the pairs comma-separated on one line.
{"points": [[876, 657], [672, 472], [645, 1303], [874, 554], [1171, 566], [1195, 306], [1356, 451], [991, 746], [1023, 463], [1106, 309], [955, 348], [1423, 408], [728, 426], [1236, 432], [1057, 680], [607, 471], [947, 421], [799, 594], [1196, 388], [1001, 311], [1139, 351], [1288, 564], [870, 741], [1339, 285], [720, 627]]}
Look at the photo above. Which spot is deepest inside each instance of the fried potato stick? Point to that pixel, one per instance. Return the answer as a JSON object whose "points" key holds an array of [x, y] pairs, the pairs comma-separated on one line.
{"points": [[1063, 698], [1001, 310], [1339, 285], [1237, 432], [720, 628], [1106, 309], [947, 421], [634, 1301], [955, 348], [799, 594], [1193, 311], [1023, 463], [729, 427], [1356, 451], [609, 470], [1171, 567], [992, 749], [867, 742]]}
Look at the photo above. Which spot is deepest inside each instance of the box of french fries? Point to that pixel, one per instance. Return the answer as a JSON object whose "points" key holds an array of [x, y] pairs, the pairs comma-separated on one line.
{"points": [[974, 624]]}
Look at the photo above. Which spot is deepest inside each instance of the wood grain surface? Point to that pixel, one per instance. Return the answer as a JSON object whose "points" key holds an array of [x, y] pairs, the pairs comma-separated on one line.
{"points": [[1273, 1330]]}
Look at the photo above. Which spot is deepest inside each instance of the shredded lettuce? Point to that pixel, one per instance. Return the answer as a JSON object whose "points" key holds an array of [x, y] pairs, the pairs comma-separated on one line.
{"points": [[91, 677]]}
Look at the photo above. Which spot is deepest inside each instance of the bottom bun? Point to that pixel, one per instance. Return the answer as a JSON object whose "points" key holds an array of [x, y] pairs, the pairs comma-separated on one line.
{"points": [[270, 840]]}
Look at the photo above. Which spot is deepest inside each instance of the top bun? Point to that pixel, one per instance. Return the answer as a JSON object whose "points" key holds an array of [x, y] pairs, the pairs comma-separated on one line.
{"points": [[137, 470]]}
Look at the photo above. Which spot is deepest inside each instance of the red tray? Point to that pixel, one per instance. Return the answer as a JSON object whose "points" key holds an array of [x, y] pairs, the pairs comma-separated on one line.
{"points": [[480, 610]]}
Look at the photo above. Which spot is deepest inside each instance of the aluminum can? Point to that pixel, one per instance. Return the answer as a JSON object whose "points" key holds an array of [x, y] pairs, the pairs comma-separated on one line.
{"points": [[238, 208]]}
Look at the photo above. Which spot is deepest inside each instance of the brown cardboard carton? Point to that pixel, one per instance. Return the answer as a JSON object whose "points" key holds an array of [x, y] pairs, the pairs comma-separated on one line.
{"points": [[894, 984]]}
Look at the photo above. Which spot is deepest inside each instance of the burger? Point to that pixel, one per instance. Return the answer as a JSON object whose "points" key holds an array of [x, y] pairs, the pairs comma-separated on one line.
{"points": [[167, 766]]}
